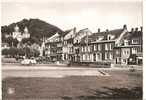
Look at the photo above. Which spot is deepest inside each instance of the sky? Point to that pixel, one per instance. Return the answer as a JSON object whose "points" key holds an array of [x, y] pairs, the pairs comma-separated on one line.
{"points": [[66, 14]]}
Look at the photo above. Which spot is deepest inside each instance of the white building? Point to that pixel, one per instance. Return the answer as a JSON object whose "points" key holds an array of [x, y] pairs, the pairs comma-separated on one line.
{"points": [[20, 35]]}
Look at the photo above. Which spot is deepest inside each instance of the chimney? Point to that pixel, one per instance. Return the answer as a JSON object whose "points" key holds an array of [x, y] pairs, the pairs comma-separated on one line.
{"points": [[125, 26], [98, 30], [107, 30], [136, 29], [74, 30], [132, 30], [141, 28]]}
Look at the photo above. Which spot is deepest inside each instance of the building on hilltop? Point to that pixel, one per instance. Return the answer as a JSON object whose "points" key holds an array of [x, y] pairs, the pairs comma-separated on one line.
{"points": [[20, 35]]}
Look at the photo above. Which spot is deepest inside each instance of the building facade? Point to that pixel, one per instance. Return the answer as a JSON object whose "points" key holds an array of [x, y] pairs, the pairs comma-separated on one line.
{"points": [[20, 35], [67, 40], [78, 38], [130, 49], [115, 46], [99, 47], [53, 47]]}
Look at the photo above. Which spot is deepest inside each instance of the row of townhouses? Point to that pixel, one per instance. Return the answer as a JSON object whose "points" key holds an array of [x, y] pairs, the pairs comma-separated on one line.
{"points": [[118, 46]]}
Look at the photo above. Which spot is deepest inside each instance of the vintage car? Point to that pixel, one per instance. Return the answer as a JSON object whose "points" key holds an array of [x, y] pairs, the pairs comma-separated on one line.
{"points": [[28, 62]]}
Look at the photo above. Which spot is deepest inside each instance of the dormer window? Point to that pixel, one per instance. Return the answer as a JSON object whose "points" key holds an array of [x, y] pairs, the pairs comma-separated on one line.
{"points": [[100, 38], [135, 41], [110, 37], [126, 42]]}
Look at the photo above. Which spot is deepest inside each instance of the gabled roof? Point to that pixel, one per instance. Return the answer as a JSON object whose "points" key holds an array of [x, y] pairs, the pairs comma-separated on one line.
{"points": [[69, 34], [53, 36], [66, 32], [104, 34], [116, 32], [134, 34], [81, 31]]}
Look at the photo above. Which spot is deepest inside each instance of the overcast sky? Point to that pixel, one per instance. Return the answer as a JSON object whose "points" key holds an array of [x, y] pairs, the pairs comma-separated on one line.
{"points": [[66, 14]]}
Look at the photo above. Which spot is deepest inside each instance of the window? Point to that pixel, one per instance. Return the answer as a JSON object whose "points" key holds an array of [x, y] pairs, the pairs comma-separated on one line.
{"points": [[84, 57], [82, 48], [124, 61], [109, 38], [106, 46], [94, 57], [126, 42], [89, 48], [65, 42], [118, 59], [94, 47], [98, 56], [85, 49], [110, 46], [134, 50], [106, 55], [110, 55], [99, 47], [100, 38], [126, 52], [135, 41], [97, 39]]}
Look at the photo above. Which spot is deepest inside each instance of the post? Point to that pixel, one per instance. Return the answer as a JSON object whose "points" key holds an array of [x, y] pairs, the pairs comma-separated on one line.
{"points": [[87, 45]]}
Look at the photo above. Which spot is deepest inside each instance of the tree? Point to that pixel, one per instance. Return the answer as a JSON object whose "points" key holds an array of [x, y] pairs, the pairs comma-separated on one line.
{"points": [[5, 52], [12, 51], [34, 40], [9, 40], [25, 40], [36, 53], [27, 51], [15, 42], [21, 52]]}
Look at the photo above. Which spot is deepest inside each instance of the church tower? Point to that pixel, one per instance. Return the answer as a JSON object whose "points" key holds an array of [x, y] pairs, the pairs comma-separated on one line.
{"points": [[16, 28], [42, 48], [26, 33], [17, 34]]}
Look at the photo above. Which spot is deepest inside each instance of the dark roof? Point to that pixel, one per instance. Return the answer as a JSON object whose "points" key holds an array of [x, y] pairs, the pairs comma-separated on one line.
{"points": [[66, 32], [94, 36], [80, 31], [116, 32], [70, 40], [134, 34]]}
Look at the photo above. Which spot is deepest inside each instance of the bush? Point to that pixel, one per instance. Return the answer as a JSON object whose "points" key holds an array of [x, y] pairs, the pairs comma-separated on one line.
{"points": [[93, 64], [132, 69], [5, 52]]}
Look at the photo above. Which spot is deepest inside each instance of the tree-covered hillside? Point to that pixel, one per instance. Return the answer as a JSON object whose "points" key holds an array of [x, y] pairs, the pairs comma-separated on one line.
{"points": [[37, 28]]}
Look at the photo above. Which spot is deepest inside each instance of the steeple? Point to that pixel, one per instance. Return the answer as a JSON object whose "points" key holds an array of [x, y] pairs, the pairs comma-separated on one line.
{"points": [[16, 28], [25, 30]]}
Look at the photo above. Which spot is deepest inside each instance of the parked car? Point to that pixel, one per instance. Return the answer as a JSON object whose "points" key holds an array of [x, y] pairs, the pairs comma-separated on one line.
{"points": [[28, 62]]}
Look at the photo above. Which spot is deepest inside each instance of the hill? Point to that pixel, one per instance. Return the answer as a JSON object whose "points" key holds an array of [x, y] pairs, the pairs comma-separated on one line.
{"points": [[37, 28]]}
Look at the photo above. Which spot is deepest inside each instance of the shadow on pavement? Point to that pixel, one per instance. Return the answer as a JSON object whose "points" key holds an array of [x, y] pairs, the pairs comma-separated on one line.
{"points": [[112, 94]]}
